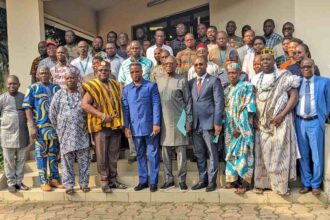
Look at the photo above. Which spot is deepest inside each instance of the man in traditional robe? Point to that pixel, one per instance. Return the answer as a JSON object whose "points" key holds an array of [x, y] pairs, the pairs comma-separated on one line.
{"points": [[102, 102], [175, 99], [275, 143], [239, 133]]}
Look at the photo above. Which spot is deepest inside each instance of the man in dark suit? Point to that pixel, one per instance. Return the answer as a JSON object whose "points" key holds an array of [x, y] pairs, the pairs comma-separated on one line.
{"points": [[142, 115], [311, 112], [208, 105]]}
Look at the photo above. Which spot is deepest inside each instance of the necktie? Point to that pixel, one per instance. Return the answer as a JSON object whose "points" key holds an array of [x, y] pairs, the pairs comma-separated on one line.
{"points": [[199, 85], [307, 98]]}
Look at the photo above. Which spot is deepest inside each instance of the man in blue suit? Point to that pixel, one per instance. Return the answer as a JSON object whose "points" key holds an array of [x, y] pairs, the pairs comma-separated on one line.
{"points": [[208, 105], [142, 115], [311, 112]]}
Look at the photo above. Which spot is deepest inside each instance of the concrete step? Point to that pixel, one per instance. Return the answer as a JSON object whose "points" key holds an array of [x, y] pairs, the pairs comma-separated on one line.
{"points": [[223, 196], [123, 166], [130, 179]]}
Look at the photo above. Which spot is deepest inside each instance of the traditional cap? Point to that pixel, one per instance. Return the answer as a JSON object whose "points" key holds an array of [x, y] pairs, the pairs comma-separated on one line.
{"points": [[103, 63], [72, 70], [234, 66], [201, 45], [51, 42], [268, 51]]}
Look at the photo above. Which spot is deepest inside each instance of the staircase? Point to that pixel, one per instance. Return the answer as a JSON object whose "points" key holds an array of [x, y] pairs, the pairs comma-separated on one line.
{"points": [[127, 173]]}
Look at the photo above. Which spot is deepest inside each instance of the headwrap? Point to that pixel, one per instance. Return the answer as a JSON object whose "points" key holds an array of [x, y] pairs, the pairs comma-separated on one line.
{"points": [[268, 51], [234, 66]]}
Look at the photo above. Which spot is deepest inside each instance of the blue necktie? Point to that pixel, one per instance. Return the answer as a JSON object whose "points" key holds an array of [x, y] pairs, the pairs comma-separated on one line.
{"points": [[307, 98]]}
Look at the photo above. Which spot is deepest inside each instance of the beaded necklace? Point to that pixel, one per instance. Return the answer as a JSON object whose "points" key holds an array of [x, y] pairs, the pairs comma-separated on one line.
{"points": [[73, 99]]}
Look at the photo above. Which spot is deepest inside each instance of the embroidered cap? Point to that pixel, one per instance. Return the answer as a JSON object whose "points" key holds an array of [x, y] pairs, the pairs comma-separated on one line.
{"points": [[268, 51]]}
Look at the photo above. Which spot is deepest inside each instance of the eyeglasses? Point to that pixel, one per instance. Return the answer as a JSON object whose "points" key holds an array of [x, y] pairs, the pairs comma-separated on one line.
{"points": [[199, 64], [306, 67]]}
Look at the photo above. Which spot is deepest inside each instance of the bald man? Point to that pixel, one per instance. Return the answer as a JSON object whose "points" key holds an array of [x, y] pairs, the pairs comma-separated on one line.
{"points": [[175, 98], [187, 56], [14, 134]]}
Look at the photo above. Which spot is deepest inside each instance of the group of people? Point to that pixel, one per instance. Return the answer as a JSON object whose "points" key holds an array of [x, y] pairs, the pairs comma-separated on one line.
{"points": [[256, 102]]}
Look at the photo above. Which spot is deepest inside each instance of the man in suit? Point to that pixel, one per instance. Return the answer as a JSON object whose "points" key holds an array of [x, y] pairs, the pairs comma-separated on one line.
{"points": [[311, 112], [142, 115], [208, 105]]}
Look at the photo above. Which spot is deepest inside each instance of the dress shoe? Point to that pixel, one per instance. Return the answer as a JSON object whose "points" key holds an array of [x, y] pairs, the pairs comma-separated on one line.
{"points": [[153, 187], [199, 185], [117, 185], [131, 159], [56, 184], [183, 186], [141, 186], [166, 186], [211, 187], [316, 192], [304, 190], [22, 186], [46, 187], [12, 189]]}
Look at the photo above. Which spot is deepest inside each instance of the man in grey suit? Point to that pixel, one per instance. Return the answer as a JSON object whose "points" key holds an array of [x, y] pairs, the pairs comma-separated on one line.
{"points": [[208, 105]]}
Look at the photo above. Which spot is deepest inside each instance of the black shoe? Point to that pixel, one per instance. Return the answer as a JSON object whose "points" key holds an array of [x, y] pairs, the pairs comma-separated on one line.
{"points": [[193, 159], [211, 187], [22, 186], [153, 188], [12, 189], [93, 160], [199, 185], [131, 159], [141, 186], [167, 186], [183, 186], [117, 185]]}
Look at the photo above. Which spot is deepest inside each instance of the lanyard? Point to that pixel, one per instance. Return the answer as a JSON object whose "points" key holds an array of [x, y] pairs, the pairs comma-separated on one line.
{"points": [[82, 67]]}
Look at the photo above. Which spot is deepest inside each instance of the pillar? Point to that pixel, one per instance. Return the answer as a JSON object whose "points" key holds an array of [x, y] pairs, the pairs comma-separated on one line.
{"points": [[25, 23]]}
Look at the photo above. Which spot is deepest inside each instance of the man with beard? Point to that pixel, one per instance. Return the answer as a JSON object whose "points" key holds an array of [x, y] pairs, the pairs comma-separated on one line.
{"points": [[70, 45], [97, 49], [201, 34], [84, 61], [248, 47]]}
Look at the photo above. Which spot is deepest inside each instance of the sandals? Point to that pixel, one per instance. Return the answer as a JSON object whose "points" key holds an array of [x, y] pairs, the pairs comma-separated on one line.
{"points": [[69, 191], [85, 189], [258, 190], [242, 188]]}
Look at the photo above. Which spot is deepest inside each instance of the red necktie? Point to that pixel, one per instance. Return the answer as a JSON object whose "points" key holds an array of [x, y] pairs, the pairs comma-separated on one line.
{"points": [[199, 85]]}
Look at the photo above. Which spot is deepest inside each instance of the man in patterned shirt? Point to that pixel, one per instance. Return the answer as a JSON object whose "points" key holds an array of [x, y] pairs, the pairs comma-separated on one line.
{"points": [[69, 120], [178, 43], [271, 37], [61, 67], [42, 48], [36, 104], [186, 57]]}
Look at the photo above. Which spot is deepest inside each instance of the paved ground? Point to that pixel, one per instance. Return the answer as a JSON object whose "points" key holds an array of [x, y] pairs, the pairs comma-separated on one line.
{"points": [[106, 210]]}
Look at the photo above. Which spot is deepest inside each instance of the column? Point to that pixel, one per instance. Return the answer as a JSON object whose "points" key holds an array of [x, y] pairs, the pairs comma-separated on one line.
{"points": [[25, 23]]}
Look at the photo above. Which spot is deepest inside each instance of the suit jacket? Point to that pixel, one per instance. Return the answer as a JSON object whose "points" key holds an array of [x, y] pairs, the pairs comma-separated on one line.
{"points": [[214, 56], [322, 98], [208, 105], [141, 107]]}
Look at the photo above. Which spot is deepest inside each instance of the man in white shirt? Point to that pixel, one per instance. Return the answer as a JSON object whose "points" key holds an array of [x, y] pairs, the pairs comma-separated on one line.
{"points": [[160, 38], [113, 58], [311, 112], [83, 62]]}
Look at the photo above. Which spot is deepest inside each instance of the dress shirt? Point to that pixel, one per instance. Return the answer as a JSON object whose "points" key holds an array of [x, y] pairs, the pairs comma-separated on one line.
{"points": [[150, 52], [124, 75], [84, 66], [212, 69], [301, 103], [115, 64], [203, 78]]}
